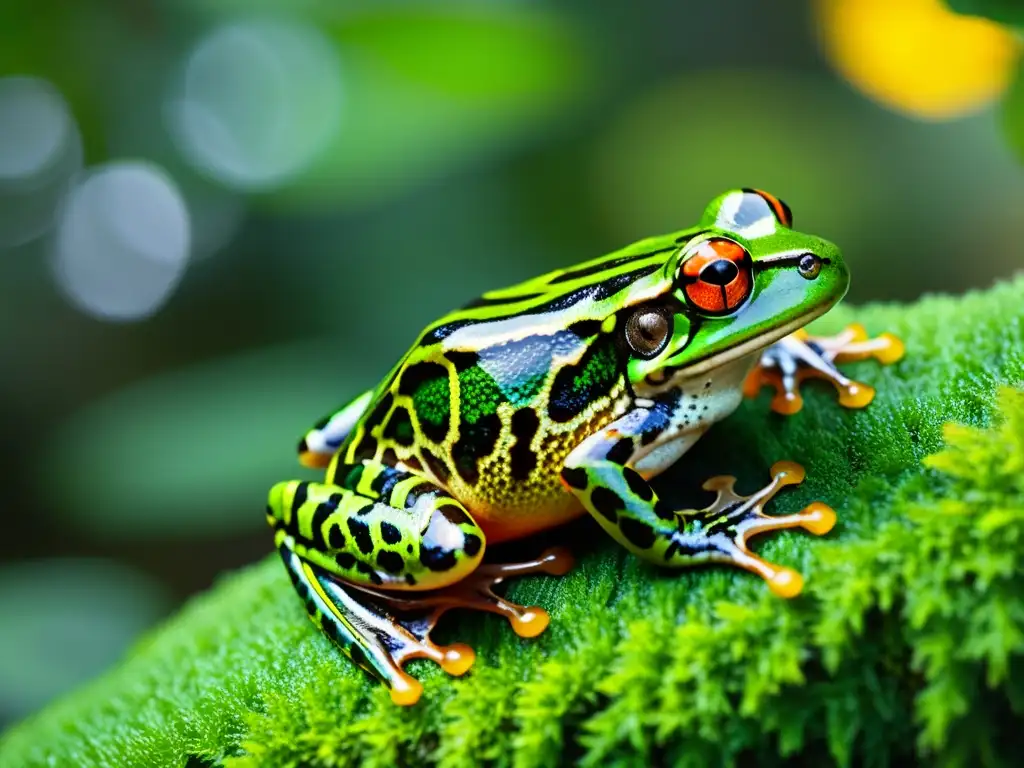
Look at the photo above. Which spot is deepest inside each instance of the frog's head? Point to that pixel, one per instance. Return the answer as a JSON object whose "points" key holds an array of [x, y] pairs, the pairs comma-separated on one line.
{"points": [[743, 280]]}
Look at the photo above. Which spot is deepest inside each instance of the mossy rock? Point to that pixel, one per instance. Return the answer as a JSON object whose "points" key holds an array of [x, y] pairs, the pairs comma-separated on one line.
{"points": [[907, 644]]}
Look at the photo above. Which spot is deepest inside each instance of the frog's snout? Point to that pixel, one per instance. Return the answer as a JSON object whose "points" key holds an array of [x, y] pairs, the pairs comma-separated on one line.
{"points": [[831, 277]]}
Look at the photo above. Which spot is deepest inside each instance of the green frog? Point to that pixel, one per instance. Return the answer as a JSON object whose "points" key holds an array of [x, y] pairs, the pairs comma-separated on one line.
{"points": [[555, 398]]}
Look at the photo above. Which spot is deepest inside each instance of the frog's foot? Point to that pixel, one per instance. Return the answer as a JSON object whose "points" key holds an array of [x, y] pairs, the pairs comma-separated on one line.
{"points": [[399, 624], [729, 522], [375, 639], [785, 365], [476, 592]]}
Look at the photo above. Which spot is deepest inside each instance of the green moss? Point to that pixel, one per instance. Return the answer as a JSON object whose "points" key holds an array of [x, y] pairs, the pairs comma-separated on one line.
{"points": [[908, 643]]}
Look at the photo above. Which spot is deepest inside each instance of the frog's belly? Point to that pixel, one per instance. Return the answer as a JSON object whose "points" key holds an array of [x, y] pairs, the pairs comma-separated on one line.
{"points": [[703, 400], [508, 504], [507, 509], [506, 525]]}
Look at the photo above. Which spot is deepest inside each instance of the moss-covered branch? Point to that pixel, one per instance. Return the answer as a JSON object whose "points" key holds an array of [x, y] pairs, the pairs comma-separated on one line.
{"points": [[908, 641]]}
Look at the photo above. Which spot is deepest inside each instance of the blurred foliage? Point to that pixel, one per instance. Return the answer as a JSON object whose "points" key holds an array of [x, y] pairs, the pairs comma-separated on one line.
{"points": [[1010, 12], [1013, 115], [96, 607], [790, 143], [1005, 11], [907, 645], [185, 447]]}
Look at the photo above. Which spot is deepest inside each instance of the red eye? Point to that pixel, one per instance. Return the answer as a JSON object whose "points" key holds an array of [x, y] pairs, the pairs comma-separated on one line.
{"points": [[716, 276]]}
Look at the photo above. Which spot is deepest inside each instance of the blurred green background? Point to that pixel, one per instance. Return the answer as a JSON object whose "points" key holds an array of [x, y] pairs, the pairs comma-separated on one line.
{"points": [[219, 219]]}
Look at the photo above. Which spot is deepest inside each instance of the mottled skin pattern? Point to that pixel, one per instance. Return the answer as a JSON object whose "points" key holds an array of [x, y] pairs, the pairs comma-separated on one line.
{"points": [[540, 402]]}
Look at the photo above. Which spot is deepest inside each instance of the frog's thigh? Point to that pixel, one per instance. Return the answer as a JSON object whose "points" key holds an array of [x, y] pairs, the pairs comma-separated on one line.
{"points": [[430, 543]]}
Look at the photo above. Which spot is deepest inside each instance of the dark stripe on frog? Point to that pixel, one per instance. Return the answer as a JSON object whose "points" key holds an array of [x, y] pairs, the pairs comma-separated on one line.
{"points": [[299, 498], [437, 467], [597, 291], [441, 332], [379, 412], [389, 457], [477, 441], [577, 386], [320, 515], [606, 266], [399, 427], [586, 329], [522, 459], [366, 448]]}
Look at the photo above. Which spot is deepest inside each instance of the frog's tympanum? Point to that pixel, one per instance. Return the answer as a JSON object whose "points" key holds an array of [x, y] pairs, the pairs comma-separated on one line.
{"points": [[560, 396]]}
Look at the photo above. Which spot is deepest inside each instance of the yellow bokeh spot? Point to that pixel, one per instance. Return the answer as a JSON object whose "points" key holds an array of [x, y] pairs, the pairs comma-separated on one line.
{"points": [[917, 56]]}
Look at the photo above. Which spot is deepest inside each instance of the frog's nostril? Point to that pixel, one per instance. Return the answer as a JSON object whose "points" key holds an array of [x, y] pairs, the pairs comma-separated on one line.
{"points": [[719, 272]]}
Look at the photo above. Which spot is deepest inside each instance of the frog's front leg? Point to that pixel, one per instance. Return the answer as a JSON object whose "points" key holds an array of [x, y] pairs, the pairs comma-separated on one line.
{"points": [[785, 365], [318, 446], [377, 559], [600, 473]]}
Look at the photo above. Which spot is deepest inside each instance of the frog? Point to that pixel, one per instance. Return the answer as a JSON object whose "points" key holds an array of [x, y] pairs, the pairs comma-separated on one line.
{"points": [[563, 397]]}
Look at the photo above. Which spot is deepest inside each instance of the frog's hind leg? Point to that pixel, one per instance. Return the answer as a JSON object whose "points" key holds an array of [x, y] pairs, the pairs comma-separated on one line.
{"points": [[377, 574], [476, 592], [334, 539], [374, 639], [785, 365]]}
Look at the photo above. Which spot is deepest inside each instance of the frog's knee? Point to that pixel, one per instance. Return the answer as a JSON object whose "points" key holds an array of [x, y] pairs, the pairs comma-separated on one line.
{"points": [[451, 547], [281, 500]]}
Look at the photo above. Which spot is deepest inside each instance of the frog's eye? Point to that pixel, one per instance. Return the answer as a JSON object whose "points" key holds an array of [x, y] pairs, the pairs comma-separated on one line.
{"points": [[648, 330], [752, 213], [779, 209], [716, 276]]}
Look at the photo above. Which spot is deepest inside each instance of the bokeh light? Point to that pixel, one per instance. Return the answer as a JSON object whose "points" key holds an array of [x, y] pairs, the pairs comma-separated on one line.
{"points": [[122, 241], [39, 152], [256, 102], [917, 56]]}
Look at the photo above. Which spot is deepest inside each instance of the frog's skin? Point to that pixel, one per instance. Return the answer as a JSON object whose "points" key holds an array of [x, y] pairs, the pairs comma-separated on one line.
{"points": [[556, 397]]}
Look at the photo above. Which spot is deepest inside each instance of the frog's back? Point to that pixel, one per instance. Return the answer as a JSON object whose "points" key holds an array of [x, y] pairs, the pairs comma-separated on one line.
{"points": [[492, 397]]}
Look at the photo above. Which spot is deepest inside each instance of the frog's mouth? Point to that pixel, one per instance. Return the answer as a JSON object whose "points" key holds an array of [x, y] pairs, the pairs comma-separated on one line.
{"points": [[693, 368]]}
